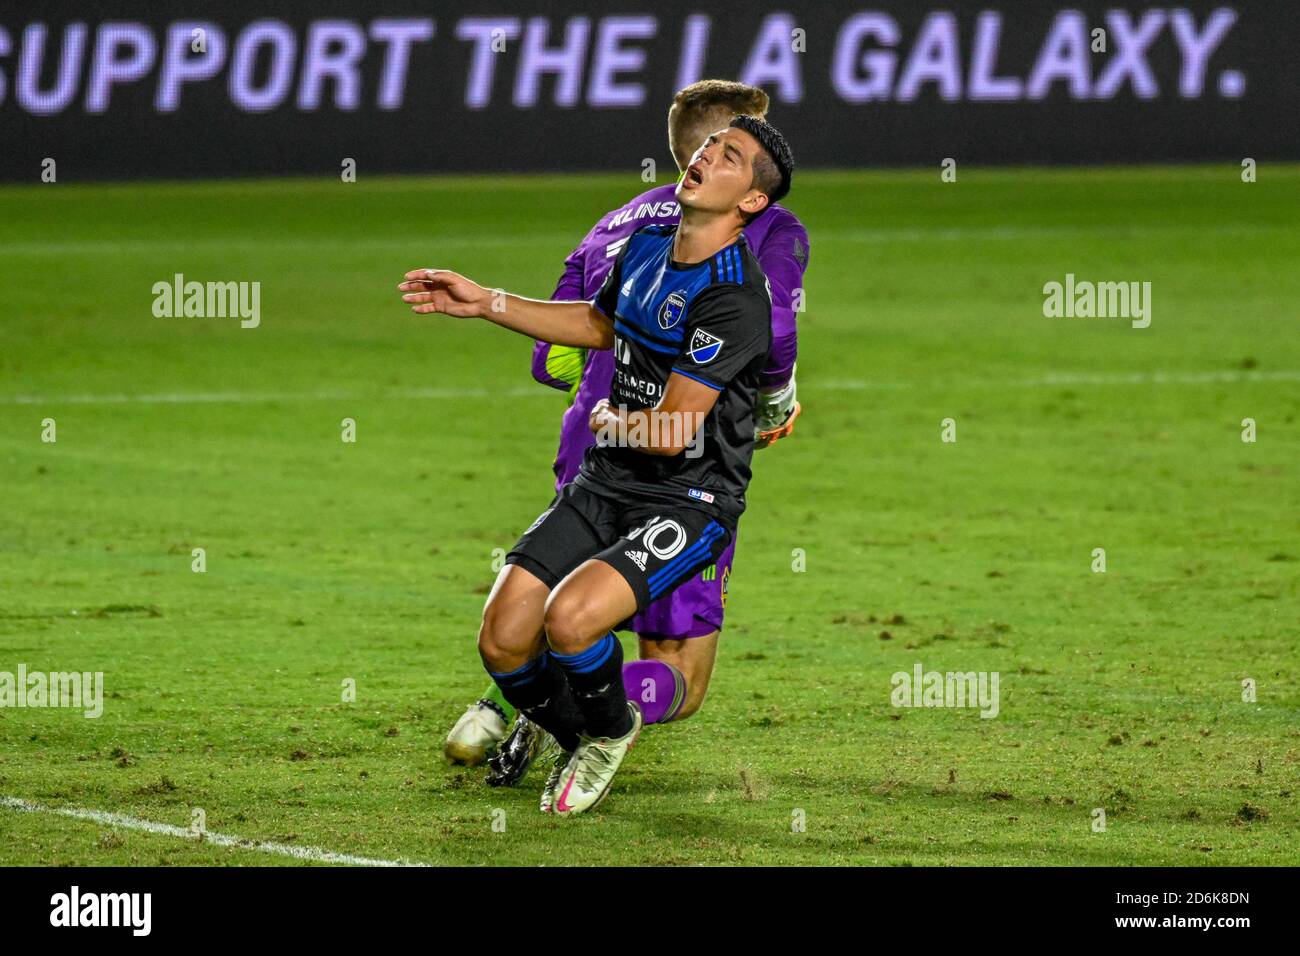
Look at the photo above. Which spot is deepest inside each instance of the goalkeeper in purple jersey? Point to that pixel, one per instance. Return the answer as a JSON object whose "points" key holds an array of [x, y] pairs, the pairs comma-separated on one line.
{"points": [[678, 633]]}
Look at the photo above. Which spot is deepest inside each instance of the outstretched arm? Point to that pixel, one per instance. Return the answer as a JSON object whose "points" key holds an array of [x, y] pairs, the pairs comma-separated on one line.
{"points": [[563, 323]]}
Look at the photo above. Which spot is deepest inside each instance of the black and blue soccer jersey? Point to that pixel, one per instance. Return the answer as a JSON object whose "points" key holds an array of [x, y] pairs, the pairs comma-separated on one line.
{"points": [[710, 321]]}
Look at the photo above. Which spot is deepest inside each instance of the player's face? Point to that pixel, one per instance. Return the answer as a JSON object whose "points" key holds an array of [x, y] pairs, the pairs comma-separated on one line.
{"points": [[721, 174]]}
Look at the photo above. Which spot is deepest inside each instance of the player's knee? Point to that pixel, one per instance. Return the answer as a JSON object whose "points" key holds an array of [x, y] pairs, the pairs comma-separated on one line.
{"points": [[496, 643], [568, 626]]}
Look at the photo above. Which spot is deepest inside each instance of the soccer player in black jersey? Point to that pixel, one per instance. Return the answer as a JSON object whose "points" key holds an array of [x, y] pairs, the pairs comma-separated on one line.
{"points": [[687, 312]]}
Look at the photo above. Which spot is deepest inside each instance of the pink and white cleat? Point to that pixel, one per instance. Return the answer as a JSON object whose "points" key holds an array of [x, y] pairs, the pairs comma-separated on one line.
{"points": [[585, 779]]}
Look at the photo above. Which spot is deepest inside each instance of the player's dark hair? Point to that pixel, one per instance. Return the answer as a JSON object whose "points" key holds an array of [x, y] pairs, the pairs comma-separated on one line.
{"points": [[775, 165]]}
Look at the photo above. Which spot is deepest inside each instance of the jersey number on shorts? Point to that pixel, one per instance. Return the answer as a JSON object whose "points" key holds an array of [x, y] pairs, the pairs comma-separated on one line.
{"points": [[664, 538]]}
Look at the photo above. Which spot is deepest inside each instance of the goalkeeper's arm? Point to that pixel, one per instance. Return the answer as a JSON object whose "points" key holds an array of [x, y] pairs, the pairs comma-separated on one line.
{"points": [[775, 412], [784, 258], [560, 366]]}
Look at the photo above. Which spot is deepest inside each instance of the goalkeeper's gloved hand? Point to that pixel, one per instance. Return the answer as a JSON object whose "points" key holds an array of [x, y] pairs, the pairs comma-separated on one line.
{"points": [[774, 414]]}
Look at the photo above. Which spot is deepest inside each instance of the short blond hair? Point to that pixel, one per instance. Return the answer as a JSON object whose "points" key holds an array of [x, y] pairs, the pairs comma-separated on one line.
{"points": [[707, 106]]}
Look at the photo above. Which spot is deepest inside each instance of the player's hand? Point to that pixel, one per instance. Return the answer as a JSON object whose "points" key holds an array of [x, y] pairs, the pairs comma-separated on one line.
{"points": [[770, 437], [438, 290], [601, 417]]}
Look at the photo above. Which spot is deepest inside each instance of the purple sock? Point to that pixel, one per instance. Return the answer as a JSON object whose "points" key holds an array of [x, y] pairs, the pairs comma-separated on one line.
{"points": [[657, 688]]}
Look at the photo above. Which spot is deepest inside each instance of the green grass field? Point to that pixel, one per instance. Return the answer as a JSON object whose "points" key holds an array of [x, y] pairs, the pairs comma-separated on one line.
{"points": [[327, 561]]}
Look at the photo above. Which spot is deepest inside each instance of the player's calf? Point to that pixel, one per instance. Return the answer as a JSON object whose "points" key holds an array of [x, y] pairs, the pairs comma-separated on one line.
{"points": [[579, 615], [595, 676], [672, 675], [514, 653], [658, 688]]}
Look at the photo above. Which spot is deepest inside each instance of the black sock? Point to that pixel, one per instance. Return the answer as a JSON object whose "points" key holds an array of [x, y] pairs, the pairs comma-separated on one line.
{"points": [[542, 693], [596, 676]]}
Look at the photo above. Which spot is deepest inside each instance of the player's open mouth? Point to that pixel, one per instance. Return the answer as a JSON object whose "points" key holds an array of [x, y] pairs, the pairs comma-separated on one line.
{"points": [[693, 176]]}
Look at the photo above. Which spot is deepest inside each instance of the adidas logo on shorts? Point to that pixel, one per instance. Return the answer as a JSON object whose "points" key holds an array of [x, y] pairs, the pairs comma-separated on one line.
{"points": [[638, 558]]}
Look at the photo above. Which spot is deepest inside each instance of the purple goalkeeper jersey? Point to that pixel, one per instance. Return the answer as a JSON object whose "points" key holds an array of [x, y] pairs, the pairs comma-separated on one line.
{"points": [[777, 239]]}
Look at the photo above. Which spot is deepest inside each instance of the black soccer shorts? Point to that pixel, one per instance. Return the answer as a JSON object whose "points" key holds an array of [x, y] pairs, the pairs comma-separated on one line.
{"points": [[655, 546]]}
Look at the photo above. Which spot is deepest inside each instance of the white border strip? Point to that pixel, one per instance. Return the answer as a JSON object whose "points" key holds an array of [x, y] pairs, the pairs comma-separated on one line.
{"points": [[125, 822]]}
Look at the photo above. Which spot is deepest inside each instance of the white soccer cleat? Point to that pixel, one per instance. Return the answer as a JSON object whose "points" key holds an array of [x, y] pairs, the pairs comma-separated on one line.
{"points": [[585, 780], [476, 734], [552, 786]]}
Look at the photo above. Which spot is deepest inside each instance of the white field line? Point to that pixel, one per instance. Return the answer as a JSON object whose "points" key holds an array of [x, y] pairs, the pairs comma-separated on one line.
{"points": [[122, 821], [1047, 380], [433, 241]]}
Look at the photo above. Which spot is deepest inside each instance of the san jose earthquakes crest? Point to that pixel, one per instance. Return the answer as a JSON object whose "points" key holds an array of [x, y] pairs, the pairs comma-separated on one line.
{"points": [[704, 347], [673, 309]]}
